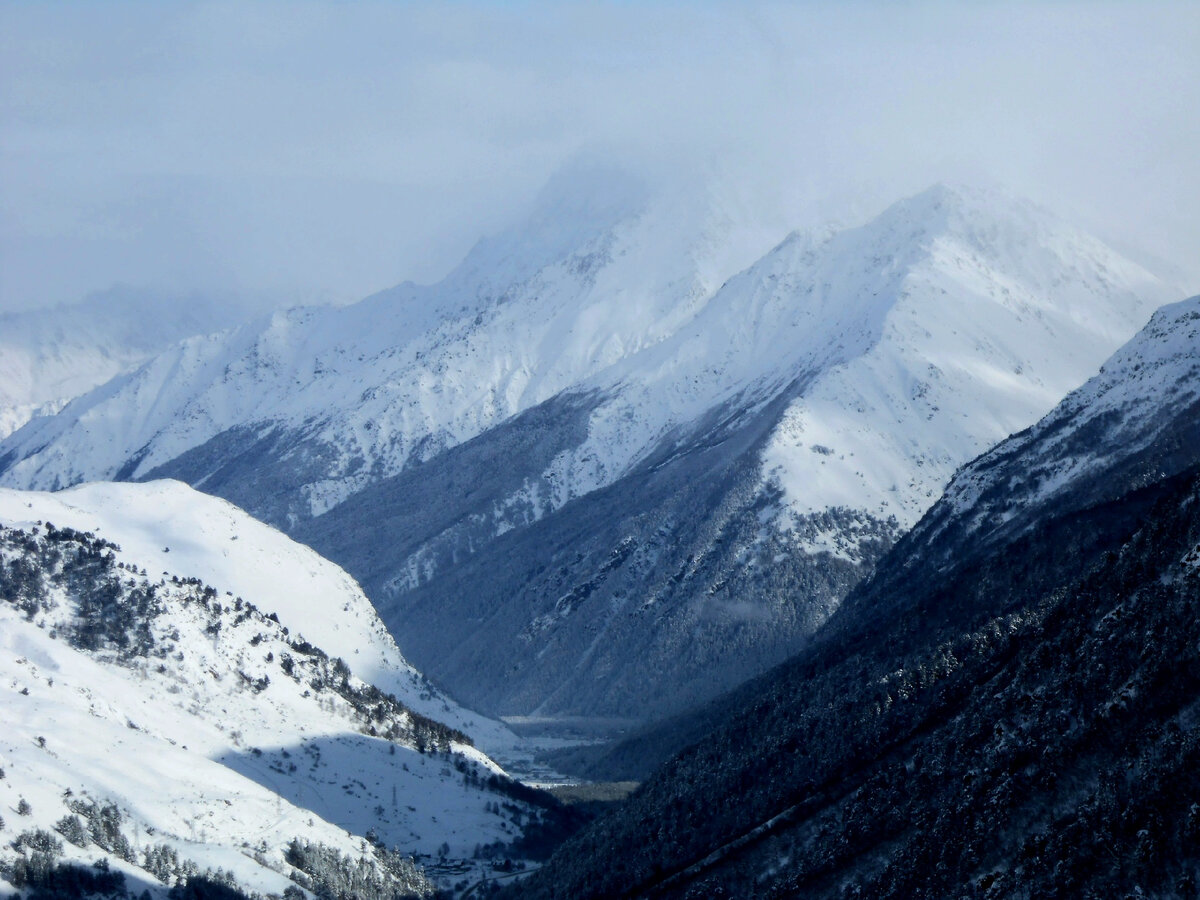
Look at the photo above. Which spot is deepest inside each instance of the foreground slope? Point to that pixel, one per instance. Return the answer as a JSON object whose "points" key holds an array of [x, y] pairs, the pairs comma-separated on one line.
{"points": [[173, 728], [1007, 708], [594, 471], [165, 527]]}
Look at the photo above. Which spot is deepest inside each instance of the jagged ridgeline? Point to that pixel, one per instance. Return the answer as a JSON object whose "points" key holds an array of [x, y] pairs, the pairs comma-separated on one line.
{"points": [[1009, 707]]}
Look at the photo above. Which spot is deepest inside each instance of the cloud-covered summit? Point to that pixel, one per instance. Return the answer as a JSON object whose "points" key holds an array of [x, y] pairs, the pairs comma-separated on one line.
{"points": [[329, 150]]}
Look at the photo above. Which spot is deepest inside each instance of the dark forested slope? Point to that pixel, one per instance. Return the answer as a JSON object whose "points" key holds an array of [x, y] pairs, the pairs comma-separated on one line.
{"points": [[1009, 707]]}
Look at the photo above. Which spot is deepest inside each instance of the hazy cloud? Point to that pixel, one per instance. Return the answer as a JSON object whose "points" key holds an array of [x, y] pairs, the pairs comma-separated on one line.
{"points": [[334, 149]]}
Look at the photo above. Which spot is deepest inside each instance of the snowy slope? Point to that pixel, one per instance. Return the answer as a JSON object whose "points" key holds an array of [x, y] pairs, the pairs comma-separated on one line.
{"points": [[215, 726], [49, 356], [76, 728], [594, 275], [166, 527], [996, 311], [953, 319]]}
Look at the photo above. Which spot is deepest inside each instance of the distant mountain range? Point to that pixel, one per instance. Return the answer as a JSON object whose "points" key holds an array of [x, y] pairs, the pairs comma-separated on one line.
{"points": [[50, 356], [611, 465], [898, 619], [1007, 707]]}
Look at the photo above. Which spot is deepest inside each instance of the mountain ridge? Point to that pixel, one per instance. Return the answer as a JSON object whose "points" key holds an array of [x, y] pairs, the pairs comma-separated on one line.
{"points": [[836, 381], [50, 356]]}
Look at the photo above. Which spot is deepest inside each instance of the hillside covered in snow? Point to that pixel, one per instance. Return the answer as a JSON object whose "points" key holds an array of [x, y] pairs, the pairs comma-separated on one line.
{"points": [[188, 693], [50, 356]]}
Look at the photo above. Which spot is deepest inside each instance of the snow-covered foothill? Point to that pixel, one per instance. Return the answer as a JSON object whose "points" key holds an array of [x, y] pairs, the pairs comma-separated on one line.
{"points": [[167, 527], [163, 653]]}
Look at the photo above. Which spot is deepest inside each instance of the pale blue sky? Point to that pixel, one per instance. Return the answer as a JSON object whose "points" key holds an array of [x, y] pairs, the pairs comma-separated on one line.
{"points": [[328, 150]]}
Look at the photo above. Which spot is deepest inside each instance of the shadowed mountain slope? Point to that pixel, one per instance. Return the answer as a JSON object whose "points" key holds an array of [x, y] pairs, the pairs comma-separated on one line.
{"points": [[1009, 707]]}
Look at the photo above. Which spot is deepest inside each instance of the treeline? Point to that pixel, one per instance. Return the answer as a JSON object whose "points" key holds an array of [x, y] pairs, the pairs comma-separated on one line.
{"points": [[328, 873], [379, 712], [38, 867]]}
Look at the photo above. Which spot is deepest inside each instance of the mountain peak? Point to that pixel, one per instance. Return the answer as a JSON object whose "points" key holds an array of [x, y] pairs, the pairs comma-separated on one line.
{"points": [[578, 205], [594, 193], [978, 214]]}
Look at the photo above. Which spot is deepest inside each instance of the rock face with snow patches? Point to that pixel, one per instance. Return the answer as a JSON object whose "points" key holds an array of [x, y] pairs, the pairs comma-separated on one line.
{"points": [[612, 465]]}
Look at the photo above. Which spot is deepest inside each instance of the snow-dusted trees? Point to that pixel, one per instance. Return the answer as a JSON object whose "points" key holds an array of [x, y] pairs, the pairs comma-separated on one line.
{"points": [[328, 873]]}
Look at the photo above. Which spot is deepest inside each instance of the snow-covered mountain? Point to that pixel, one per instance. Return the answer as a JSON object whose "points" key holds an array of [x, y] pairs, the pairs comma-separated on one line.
{"points": [[49, 356], [183, 684], [593, 276], [1135, 423], [582, 468]]}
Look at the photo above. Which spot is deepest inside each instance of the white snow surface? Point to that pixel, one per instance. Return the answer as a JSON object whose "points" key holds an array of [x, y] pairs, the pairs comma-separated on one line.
{"points": [[916, 340], [990, 311], [167, 527], [194, 759]]}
